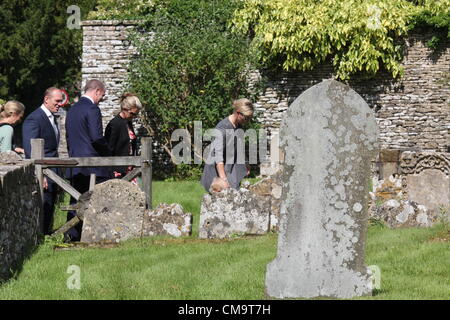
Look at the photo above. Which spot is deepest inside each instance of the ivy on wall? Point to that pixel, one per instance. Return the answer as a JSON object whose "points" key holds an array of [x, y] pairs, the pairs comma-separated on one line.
{"points": [[356, 35]]}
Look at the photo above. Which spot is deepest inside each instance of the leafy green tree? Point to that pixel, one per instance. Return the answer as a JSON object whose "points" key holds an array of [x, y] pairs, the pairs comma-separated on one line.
{"points": [[37, 49], [190, 66], [356, 35], [121, 9]]}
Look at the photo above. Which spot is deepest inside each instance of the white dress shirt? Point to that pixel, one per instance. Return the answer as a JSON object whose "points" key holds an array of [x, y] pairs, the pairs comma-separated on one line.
{"points": [[52, 119]]}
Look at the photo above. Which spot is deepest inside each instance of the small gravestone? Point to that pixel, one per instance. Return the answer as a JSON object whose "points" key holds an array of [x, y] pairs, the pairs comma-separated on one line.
{"points": [[114, 212], [329, 137], [233, 212], [427, 179]]}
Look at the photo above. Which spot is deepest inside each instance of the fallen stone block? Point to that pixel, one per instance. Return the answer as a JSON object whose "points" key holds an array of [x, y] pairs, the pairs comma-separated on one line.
{"points": [[167, 219], [404, 213], [270, 187]]}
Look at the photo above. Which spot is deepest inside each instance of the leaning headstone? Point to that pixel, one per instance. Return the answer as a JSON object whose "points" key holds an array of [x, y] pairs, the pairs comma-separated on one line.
{"points": [[329, 137], [113, 212]]}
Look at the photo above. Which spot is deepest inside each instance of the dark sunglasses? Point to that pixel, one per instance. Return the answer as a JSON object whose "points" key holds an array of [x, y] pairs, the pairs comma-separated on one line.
{"points": [[246, 118], [134, 114]]}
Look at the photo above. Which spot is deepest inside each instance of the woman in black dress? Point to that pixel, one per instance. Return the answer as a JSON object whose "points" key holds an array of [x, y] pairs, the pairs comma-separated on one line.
{"points": [[120, 132]]}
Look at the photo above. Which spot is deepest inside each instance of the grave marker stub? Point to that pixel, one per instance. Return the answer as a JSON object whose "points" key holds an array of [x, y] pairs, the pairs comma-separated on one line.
{"points": [[329, 137]]}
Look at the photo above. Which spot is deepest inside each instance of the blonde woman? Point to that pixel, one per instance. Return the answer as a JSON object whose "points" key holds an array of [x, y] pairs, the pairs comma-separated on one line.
{"points": [[230, 171], [10, 114], [119, 132]]}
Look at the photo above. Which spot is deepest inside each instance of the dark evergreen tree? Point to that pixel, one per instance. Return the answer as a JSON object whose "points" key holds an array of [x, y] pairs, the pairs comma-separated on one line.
{"points": [[37, 50]]}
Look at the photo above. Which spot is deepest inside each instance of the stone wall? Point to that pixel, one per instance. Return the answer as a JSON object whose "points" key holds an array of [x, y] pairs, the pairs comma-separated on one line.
{"points": [[412, 113], [20, 211]]}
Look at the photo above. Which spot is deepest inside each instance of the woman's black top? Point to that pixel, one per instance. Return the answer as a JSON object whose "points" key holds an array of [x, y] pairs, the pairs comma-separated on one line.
{"points": [[117, 133]]}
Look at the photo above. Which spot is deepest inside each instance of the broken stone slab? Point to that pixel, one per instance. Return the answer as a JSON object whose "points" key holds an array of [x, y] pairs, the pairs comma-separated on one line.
{"points": [[230, 212], [167, 219], [254, 209], [404, 213], [270, 188], [115, 211], [329, 138]]}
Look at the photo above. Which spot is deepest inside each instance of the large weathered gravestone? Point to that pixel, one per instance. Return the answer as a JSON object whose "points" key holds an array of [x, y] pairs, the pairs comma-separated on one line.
{"points": [[329, 136]]}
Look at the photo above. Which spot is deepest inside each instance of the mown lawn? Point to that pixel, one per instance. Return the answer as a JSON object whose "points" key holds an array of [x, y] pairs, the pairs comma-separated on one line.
{"points": [[414, 263]]}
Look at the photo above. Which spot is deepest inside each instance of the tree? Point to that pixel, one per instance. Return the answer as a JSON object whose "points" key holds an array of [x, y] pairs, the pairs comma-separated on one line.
{"points": [[37, 49]]}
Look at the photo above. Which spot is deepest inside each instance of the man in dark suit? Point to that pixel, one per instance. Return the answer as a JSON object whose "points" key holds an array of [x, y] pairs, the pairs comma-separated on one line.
{"points": [[84, 133], [42, 124]]}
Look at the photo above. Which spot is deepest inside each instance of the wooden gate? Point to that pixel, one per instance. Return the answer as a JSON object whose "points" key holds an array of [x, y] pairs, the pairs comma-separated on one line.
{"points": [[142, 166]]}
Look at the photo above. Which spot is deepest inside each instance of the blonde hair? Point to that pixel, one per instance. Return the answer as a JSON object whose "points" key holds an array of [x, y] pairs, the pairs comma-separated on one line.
{"points": [[10, 108], [130, 100], [244, 105]]}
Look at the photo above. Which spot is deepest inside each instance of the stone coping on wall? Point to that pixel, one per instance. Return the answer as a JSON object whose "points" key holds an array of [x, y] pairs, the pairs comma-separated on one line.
{"points": [[110, 22]]}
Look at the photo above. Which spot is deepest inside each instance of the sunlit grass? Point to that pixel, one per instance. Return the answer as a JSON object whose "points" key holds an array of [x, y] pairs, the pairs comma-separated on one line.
{"points": [[414, 263]]}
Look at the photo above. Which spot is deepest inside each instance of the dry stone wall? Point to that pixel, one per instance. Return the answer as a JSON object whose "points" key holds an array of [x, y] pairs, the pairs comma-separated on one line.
{"points": [[20, 211], [412, 113]]}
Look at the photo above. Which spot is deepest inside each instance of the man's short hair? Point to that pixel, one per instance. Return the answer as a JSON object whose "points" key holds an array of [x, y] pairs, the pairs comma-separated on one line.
{"points": [[50, 91], [94, 84]]}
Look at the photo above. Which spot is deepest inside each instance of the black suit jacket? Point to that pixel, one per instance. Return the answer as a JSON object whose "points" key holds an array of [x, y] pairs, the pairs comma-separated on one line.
{"points": [[84, 133]]}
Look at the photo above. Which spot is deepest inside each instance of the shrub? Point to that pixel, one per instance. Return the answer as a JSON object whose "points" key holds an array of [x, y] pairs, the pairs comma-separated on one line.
{"points": [[189, 66]]}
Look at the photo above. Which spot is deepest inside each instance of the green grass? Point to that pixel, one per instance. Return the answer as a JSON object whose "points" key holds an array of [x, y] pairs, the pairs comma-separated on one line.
{"points": [[413, 265]]}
